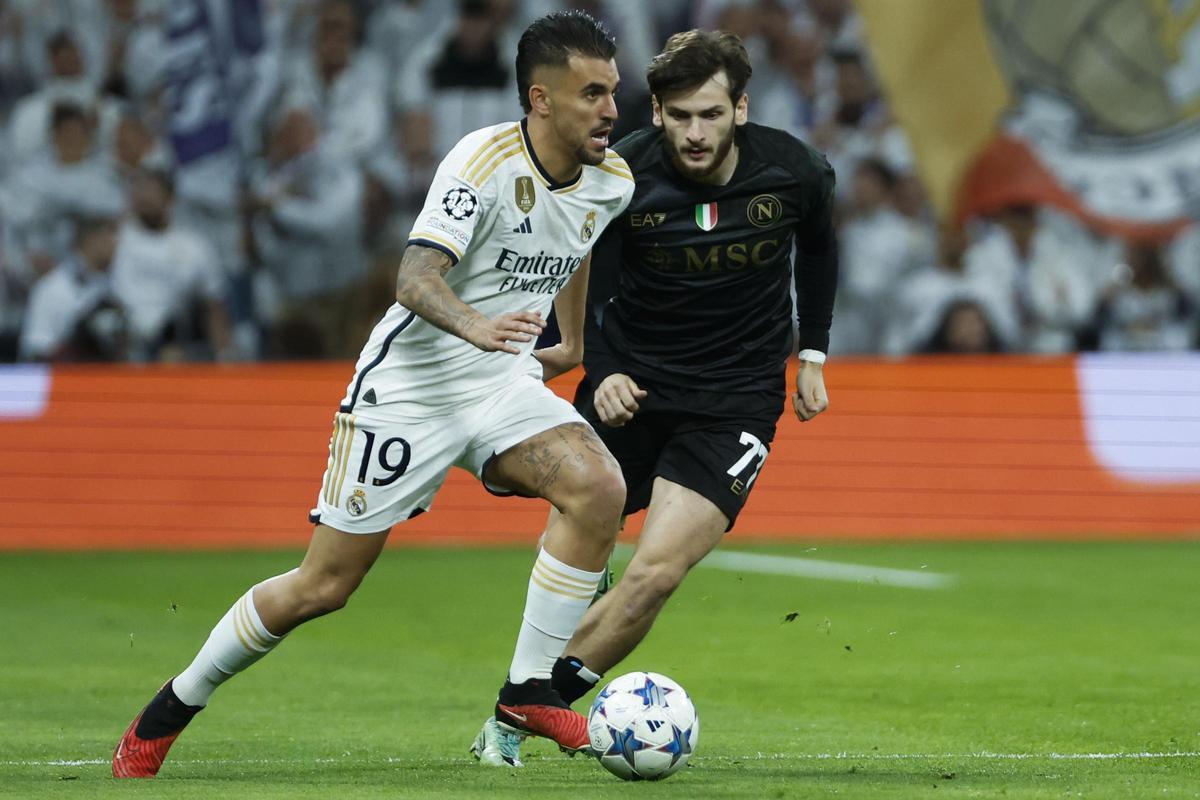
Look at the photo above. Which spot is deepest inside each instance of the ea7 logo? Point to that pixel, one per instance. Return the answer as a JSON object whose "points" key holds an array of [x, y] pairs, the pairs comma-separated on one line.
{"points": [[647, 220]]}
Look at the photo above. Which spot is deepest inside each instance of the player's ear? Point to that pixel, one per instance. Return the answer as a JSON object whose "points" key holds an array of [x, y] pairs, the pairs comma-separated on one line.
{"points": [[655, 112], [539, 100], [741, 111]]}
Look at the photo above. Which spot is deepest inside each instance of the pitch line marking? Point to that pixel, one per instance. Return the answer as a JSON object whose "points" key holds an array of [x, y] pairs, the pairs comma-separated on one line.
{"points": [[981, 756], [734, 561]]}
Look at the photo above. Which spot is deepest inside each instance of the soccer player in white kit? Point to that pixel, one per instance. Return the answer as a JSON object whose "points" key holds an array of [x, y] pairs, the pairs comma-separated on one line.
{"points": [[449, 377]]}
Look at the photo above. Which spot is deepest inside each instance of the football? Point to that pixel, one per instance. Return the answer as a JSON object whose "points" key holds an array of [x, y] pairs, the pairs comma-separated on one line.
{"points": [[643, 726]]}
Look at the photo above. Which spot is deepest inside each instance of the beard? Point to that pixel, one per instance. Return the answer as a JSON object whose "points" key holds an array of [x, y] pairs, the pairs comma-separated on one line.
{"points": [[588, 156], [698, 171]]}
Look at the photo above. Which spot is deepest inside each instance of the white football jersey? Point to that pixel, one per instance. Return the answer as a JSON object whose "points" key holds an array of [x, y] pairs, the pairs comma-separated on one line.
{"points": [[515, 237]]}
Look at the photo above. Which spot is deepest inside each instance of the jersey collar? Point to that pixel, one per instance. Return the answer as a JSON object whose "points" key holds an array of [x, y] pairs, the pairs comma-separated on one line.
{"points": [[546, 178]]}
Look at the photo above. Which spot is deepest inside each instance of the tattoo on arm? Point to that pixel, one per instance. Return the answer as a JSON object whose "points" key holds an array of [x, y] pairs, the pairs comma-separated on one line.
{"points": [[421, 287]]}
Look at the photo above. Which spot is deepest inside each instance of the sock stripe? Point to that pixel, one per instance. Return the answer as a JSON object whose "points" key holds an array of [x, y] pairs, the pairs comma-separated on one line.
{"points": [[237, 628], [246, 624], [257, 629], [567, 580], [573, 595]]}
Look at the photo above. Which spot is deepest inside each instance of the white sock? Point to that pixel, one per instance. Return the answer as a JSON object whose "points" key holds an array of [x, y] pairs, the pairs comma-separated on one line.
{"points": [[238, 640], [558, 597]]}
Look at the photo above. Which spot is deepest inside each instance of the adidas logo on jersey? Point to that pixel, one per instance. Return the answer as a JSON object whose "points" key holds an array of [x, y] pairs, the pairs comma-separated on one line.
{"points": [[525, 227]]}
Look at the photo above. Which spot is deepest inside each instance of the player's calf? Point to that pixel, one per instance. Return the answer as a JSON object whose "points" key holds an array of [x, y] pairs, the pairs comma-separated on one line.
{"points": [[646, 587]]}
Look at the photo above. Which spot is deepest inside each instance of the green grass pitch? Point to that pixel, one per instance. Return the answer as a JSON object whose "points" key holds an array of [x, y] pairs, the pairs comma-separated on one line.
{"points": [[1043, 671]]}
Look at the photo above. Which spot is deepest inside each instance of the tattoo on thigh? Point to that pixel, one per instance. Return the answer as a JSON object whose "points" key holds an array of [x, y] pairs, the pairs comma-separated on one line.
{"points": [[546, 457], [591, 442]]}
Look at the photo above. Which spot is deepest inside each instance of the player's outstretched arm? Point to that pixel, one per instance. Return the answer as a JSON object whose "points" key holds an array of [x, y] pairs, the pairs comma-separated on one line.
{"points": [[421, 287], [570, 307]]}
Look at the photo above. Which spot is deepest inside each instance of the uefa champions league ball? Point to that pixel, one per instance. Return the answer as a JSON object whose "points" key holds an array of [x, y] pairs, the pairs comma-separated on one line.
{"points": [[643, 726]]}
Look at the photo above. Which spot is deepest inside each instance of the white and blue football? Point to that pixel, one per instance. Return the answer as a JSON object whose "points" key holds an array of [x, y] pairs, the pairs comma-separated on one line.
{"points": [[643, 726]]}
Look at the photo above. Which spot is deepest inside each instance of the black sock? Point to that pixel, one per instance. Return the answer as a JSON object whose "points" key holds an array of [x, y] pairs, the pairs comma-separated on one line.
{"points": [[566, 680], [165, 715]]}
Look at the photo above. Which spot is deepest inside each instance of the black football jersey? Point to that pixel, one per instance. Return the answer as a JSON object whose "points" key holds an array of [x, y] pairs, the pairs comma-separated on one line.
{"points": [[691, 286]]}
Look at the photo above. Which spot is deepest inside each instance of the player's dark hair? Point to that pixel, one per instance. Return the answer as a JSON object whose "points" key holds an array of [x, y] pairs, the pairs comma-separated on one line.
{"points": [[692, 57], [551, 40]]}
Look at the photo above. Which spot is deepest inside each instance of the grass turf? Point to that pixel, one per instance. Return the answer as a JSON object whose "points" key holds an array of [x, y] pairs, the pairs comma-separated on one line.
{"points": [[1036, 652]]}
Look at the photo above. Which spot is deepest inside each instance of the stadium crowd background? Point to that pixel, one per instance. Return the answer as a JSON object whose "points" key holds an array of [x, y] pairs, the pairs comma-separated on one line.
{"points": [[281, 242]]}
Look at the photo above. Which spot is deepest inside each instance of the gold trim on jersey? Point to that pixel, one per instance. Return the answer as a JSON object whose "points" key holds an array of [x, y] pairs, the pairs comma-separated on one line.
{"points": [[480, 178], [421, 234], [491, 144], [612, 169]]}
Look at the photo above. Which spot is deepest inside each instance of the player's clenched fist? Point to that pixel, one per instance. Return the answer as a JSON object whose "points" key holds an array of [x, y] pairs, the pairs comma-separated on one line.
{"points": [[498, 333], [616, 399], [810, 398]]}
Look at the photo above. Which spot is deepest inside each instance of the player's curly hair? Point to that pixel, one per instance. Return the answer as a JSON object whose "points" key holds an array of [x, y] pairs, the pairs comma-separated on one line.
{"points": [[692, 57], [553, 39]]}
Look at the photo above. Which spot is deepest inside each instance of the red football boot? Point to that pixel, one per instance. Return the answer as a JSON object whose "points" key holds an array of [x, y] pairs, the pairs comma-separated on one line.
{"points": [[143, 748], [534, 708]]}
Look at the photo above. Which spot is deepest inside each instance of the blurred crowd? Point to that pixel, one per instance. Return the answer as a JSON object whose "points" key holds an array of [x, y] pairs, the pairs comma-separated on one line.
{"points": [[235, 179]]}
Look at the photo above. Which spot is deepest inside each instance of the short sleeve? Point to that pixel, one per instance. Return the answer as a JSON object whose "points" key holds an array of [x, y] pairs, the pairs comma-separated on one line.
{"points": [[452, 212]]}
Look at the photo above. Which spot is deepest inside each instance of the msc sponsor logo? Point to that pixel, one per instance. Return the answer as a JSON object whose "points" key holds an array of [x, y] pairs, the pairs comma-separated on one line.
{"points": [[729, 257]]}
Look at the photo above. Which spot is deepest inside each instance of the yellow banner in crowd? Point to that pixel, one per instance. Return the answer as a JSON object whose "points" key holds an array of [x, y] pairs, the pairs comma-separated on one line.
{"points": [[1089, 105]]}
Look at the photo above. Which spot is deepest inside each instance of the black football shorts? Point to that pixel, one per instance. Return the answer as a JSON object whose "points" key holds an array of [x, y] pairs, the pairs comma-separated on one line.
{"points": [[714, 444]]}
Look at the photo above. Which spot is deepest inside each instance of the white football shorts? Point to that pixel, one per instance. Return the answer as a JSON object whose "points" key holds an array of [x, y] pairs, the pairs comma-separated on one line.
{"points": [[386, 469]]}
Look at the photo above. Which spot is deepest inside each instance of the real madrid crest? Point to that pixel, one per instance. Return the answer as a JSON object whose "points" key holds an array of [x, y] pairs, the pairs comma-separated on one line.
{"points": [[524, 194], [356, 503], [589, 226]]}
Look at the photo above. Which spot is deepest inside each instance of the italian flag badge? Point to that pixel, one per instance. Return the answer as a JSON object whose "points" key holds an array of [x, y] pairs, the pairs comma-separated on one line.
{"points": [[706, 216]]}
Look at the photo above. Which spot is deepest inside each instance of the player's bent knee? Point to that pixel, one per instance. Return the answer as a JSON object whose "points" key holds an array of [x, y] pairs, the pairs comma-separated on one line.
{"points": [[594, 495], [327, 593], [607, 487]]}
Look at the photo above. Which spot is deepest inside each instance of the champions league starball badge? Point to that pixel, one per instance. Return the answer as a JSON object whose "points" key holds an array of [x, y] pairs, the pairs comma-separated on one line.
{"points": [[459, 203]]}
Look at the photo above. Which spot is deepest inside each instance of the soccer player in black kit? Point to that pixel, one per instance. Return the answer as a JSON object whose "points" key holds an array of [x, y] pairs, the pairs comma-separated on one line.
{"points": [[691, 330]]}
